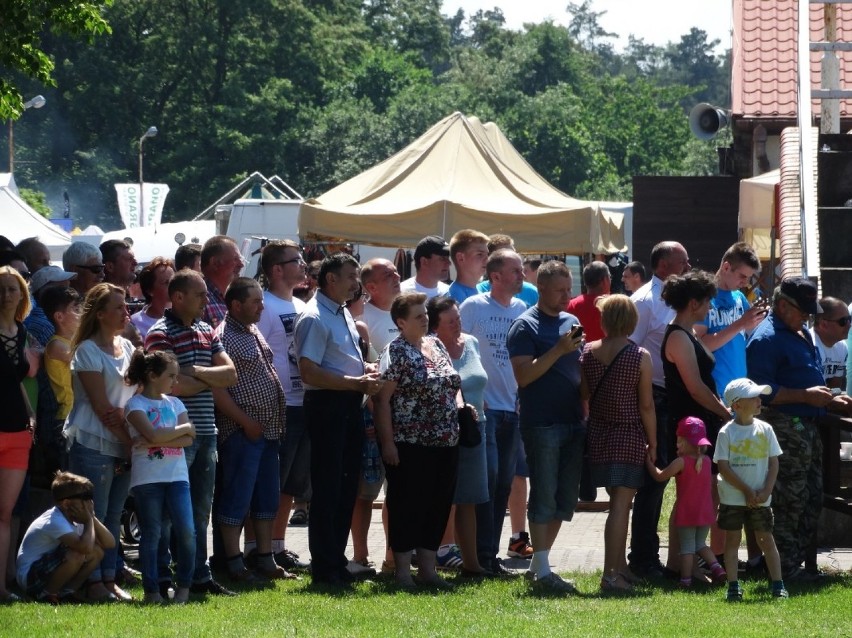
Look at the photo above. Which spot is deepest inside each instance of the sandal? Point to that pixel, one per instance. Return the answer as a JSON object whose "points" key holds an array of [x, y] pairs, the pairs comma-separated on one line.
{"points": [[102, 595], [612, 584], [299, 517]]}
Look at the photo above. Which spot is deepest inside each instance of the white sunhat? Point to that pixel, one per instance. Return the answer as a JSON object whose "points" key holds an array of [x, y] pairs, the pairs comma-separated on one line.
{"points": [[744, 389]]}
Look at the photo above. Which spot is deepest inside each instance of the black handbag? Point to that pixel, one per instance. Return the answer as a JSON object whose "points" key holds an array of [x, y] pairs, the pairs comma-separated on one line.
{"points": [[469, 434]]}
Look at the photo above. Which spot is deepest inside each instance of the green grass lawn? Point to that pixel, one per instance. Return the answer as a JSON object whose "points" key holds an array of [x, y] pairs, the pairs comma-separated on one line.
{"points": [[491, 608]]}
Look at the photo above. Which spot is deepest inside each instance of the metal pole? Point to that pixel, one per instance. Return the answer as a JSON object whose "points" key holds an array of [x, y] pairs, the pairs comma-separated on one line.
{"points": [[11, 146], [141, 185]]}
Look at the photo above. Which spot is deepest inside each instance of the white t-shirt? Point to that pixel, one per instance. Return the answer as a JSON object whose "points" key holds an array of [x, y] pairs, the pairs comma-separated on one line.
{"points": [[382, 328], [42, 537], [156, 464], [747, 448], [276, 324], [833, 359], [411, 285], [83, 425], [489, 321]]}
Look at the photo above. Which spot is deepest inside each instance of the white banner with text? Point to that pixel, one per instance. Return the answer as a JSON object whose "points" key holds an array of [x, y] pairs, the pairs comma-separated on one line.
{"points": [[152, 199]]}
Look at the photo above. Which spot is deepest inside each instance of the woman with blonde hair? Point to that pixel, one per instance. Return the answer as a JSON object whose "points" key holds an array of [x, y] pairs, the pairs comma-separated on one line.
{"points": [[16, 429], [622, 429], [97, 435]]}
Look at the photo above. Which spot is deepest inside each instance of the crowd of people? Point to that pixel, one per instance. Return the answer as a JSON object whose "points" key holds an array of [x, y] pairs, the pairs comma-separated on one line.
{"points": [[226, 403]]}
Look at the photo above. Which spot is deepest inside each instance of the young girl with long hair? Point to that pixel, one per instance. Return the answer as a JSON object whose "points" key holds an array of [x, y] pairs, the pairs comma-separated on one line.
{"points": [[160, 429]]}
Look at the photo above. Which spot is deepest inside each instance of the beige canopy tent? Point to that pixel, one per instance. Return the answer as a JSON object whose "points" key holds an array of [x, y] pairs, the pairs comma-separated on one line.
{"points": [[458, 175]]}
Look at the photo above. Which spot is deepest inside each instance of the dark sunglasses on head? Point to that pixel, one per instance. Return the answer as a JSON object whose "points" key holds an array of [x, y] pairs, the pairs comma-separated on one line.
{"points": [[95, 270], [842, 322], [26, 274]]}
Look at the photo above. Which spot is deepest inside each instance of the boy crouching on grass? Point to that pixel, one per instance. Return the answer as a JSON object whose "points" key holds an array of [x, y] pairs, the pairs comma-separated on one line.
{"points": [[747, 454], [63, 545]]}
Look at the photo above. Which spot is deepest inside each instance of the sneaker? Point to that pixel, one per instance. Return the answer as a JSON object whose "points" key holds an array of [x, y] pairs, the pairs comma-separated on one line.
{"points": [[780, 593], [520, 547], [555, 583], [449, 559], [800, 575], [290, 561], [182, 595], [211, 587], [496, 569], [734, 595]]}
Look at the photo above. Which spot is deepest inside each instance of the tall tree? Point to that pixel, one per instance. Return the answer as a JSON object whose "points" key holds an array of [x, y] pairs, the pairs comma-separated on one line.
{"points": [[22, 27]]}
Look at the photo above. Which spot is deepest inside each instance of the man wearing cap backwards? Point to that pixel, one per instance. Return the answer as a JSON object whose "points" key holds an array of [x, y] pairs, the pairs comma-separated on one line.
{"points": [[432, 263], [831, 327], [781, 354]]}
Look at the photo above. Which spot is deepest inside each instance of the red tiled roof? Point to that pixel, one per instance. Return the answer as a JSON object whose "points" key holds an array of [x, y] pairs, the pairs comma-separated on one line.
{"points": [[763, 78]]}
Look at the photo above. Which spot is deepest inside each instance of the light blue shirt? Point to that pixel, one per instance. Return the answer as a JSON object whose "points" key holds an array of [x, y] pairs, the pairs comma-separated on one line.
{"points": [[325, 333], [528, 294]]}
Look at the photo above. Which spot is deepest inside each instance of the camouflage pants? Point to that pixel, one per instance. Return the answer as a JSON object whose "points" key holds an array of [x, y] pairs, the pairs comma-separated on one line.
{"points": [[797, 497]]}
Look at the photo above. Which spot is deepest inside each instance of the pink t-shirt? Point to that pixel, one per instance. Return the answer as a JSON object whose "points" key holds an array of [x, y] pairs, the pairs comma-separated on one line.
{"points": [[694, 499]]}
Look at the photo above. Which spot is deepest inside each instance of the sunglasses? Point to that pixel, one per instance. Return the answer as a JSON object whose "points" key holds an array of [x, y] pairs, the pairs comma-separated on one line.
{"points": [[842, 322], [82, 496], [26, 274], [95, 270], [290, 261]]}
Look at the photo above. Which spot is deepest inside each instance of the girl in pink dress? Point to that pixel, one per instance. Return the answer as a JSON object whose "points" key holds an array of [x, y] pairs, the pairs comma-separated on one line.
{"points": [[694, 511]]}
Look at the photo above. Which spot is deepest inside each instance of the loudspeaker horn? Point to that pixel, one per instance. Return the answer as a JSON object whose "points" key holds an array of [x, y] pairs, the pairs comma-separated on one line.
{"points": [[706, 120]]}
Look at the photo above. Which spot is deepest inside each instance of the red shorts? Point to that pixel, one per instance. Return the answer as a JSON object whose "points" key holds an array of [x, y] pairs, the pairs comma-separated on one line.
{"points": [[15, 449]]}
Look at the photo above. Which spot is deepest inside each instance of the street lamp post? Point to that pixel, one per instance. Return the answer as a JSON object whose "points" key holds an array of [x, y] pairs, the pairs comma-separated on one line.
{"points": [[151, 132], [36, 103]]}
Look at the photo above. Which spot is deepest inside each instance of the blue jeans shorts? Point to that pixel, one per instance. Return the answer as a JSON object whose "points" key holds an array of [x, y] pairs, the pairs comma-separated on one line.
{"points": [[555, 459], [250, 479]]}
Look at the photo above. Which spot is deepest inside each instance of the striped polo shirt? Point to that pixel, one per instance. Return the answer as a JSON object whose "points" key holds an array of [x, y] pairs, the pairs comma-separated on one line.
{"points": [[192, 345]]}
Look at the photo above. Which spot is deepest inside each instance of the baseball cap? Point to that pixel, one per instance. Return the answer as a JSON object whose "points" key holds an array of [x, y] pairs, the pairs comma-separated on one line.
{"points": [[431, 245], [802, 292], [692, 429], [744, 389], [49, 275]]}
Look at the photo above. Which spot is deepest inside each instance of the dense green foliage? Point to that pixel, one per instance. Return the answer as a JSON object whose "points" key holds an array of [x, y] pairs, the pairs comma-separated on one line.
{"points": [[318, 90]]}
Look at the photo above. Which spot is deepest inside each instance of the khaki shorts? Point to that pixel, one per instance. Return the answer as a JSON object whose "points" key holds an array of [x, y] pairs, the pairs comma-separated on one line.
{"points": [[757, 519]]}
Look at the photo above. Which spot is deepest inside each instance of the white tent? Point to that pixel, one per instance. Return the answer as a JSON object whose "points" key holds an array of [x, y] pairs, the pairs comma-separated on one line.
{"points": [[458, 175], [18, 221]]}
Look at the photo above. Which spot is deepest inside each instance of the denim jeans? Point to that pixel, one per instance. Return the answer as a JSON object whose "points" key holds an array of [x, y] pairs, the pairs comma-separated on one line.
{"points": [[501, 448], [153, 502], [201, 460], [110, 493], [648, 502]]}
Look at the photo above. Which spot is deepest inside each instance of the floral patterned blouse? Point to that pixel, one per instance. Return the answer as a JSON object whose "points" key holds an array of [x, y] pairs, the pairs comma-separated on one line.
{"points": [[423, 406]]}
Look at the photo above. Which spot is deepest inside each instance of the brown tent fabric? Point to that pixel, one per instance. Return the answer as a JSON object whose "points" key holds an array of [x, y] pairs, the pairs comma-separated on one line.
{"points": [[459, 174]]}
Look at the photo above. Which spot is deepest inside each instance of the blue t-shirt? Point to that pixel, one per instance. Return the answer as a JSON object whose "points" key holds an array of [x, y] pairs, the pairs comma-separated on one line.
{"points": [[528, 294], [555, 396], [460, 292], [726, 308]]}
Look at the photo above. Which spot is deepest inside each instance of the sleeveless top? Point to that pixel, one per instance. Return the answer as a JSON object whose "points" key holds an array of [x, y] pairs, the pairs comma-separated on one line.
{"points": [[14, 367], [681, 403], [694, 498]]}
